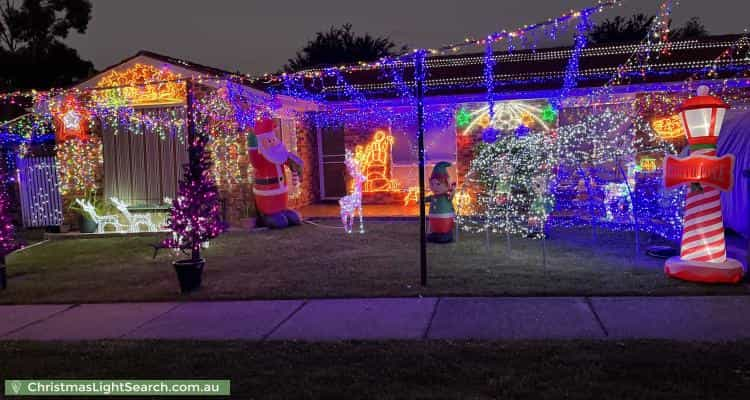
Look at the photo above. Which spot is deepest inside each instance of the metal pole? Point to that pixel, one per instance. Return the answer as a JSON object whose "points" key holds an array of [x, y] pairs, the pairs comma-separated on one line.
{"points": [[633, 205], [419, 78], [746, 174], [195, 148]]}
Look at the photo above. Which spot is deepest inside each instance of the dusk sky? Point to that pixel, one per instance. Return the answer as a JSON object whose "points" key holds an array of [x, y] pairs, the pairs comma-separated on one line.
{"points": [[255, 37]]}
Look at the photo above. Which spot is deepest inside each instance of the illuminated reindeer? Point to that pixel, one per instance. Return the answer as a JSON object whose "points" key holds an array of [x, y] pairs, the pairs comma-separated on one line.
{"points": [[352, 203]]}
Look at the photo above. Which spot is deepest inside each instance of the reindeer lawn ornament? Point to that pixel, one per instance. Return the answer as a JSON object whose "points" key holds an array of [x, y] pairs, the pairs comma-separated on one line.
{"points": [[352, 203], [134, 220], [101, 220]]}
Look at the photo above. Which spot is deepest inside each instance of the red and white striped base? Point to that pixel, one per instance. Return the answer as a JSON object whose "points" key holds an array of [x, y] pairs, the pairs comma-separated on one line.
{"points": [[703, 227], [729, 271], [703, 254]]}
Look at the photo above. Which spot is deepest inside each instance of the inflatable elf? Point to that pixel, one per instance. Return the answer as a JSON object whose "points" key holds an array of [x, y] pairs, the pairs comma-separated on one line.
{"points": [[441, 204]]}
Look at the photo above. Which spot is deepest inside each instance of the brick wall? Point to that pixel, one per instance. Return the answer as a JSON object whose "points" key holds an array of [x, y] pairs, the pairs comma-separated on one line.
{"points": [[464, 155], [307, 150], [238, 197]]}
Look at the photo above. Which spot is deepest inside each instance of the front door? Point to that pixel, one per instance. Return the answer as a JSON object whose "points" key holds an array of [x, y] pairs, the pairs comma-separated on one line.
{"points": [[332, 168]]}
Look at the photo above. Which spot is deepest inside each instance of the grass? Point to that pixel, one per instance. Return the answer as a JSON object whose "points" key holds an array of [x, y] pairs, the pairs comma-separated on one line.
{"points": [[323, 261], [406, 370]]}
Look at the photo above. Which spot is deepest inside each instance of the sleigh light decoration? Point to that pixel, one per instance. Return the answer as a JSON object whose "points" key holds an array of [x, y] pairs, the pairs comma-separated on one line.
{"points": [[703, 253]]}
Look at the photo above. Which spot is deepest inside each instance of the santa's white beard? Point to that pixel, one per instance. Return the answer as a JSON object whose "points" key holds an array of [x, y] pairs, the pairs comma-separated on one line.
{"points": [[277, 154]]}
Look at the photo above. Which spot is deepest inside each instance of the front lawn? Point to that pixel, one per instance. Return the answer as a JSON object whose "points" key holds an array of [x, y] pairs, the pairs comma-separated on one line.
{"points": [[323, 261], [406, 370]]}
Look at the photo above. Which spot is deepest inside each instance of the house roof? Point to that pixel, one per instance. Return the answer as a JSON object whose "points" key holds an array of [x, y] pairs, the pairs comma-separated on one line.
{"points": [[187, 68], [191, 69], [545, 69]]}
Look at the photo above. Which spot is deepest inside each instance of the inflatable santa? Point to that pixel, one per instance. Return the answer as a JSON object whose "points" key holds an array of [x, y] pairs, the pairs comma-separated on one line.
{"points": [[441, 204], [268, 157]]}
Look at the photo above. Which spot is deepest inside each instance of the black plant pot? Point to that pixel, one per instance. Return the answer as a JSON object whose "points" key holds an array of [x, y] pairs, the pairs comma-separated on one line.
{"points": [[87, 225], [189, 273]]}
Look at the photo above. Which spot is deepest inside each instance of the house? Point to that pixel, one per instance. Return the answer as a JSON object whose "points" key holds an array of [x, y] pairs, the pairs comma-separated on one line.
{"points": [[646, 85], [136, 119], [122, 133]]}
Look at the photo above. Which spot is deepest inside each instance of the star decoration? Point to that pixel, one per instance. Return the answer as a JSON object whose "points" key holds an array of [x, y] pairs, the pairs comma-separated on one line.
{"points": [[527, 119], [549, 114], [71, 120], [463, 118]]}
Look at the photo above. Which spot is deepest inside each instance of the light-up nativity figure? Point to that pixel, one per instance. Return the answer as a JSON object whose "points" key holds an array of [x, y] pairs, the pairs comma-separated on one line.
{"points": [[352, 204], [268, 157], [703, 253]]}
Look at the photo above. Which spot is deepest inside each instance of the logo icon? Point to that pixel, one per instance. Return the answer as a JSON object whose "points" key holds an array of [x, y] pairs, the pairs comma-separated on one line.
{"points": [[16, 386]]}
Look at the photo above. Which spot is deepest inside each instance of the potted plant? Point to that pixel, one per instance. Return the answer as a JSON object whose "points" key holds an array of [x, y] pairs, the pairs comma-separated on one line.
{"points": [[85, 223], [195, 217]]}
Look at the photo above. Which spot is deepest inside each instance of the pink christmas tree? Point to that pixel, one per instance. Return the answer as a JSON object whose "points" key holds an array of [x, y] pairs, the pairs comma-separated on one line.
{"points": [[195, 215], [8, 241]]}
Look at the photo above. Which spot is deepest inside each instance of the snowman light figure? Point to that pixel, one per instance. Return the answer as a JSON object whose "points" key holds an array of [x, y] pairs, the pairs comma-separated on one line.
{"points": [[352, 204]]}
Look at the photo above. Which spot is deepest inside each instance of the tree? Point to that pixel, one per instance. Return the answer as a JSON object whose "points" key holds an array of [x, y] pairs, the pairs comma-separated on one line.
{"points": [[340, 46], [31, 34], [620, 29], [637, 26], [8, 241], [692, 29], [195, 215]]}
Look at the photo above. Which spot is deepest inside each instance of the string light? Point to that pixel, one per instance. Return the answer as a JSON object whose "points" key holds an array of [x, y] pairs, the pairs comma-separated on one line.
{"points": [[78, 163], [134, 87]]}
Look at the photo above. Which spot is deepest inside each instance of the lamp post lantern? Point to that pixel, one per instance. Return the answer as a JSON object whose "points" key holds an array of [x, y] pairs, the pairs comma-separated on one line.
{"points": [[702, 117], [703, 253]]}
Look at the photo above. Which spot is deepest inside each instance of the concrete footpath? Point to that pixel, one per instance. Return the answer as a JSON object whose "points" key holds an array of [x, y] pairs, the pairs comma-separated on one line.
{"points": [[715, 318]]}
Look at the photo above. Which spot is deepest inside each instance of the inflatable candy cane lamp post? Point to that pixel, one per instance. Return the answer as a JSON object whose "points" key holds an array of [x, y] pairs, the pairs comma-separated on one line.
{"points": [[703, 253]]}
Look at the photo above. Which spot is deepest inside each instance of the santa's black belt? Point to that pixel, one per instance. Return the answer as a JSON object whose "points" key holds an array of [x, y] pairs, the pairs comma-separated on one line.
{"points": [[268, 181]]}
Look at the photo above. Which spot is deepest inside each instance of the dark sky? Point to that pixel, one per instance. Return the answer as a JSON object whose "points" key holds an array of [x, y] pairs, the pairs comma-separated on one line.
{"points": [[259, 36]]}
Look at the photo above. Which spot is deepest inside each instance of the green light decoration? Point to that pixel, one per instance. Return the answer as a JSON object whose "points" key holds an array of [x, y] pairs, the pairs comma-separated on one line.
{"points": [[549, 114], [463, 118]]}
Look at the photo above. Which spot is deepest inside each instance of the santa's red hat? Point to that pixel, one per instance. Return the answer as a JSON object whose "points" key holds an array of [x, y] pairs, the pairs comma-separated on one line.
{"points": [[264, 126]]}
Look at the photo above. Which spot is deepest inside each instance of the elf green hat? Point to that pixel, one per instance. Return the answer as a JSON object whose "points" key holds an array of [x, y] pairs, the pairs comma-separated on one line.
{"points": [[440, 169]]}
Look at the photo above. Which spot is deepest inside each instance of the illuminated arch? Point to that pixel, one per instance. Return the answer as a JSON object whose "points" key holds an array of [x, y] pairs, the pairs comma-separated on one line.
{"points": [[133, 87]]}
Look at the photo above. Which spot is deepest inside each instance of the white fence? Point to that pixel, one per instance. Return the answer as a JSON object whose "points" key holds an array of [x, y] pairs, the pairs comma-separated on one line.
{"points": [[41, 204]]}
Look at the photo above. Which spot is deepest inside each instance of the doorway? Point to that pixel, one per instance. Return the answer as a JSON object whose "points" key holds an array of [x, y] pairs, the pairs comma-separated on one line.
{"points": [[332, 152]]}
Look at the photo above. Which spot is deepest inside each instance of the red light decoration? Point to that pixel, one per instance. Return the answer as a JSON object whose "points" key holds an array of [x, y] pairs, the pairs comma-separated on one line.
{"points": [[71, 120]]}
